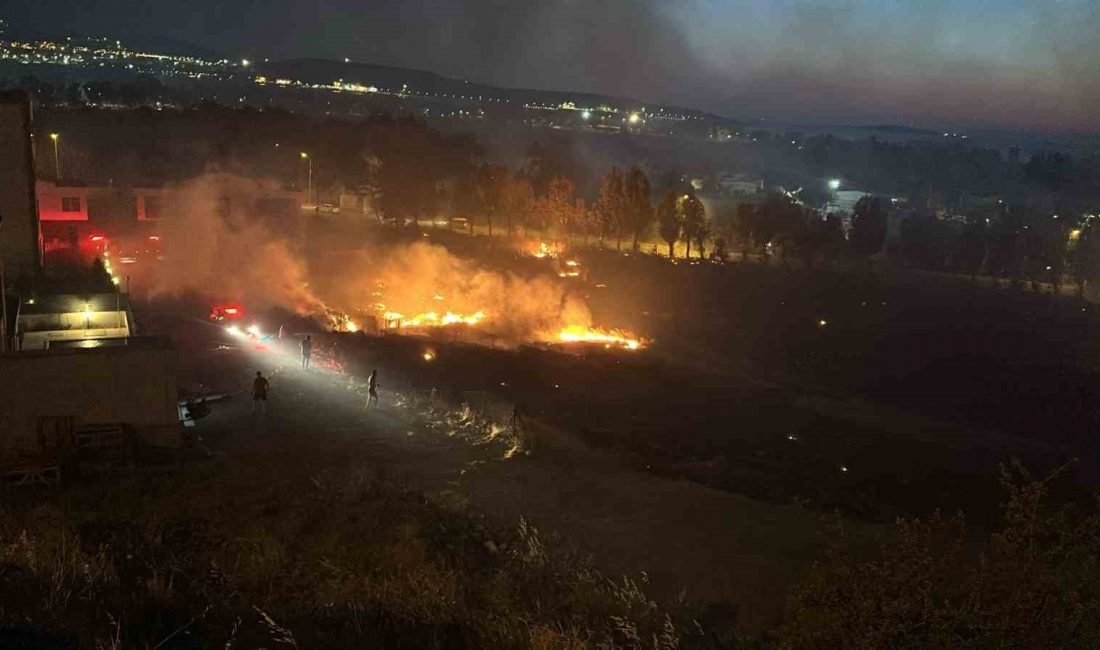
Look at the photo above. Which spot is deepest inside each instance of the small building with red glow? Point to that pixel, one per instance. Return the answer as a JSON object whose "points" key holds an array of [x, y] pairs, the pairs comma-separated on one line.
{"points": [[61, 201]]}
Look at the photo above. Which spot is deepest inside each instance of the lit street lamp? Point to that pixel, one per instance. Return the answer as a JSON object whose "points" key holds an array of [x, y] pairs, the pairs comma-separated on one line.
{"points": [[309, 186], [834, 184], [56, 158]]}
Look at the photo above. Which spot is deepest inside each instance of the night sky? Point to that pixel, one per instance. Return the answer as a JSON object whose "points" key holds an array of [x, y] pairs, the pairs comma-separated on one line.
{"points": [[965, 64]]}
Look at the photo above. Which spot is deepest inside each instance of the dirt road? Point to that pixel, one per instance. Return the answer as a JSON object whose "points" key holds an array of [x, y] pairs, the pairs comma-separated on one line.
{"points": [[707, 544]]}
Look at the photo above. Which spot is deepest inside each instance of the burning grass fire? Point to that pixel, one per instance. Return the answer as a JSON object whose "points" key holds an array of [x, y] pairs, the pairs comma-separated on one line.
{"points": [[377, 286], [422, 288], [543, 251], [431, 319], [609, 339]]}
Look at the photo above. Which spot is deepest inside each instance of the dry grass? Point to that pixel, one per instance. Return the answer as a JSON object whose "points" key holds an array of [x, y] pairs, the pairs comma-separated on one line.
{"points": [[1034, 584], [272, 554]]}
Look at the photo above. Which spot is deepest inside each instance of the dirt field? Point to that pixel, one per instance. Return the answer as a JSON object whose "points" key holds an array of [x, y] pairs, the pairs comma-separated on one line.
{"points": [[688, 539]]}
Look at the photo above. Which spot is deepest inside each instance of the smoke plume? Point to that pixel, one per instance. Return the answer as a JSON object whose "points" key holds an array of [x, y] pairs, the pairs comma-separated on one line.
{"points": [[219, 246], [216, 246]]}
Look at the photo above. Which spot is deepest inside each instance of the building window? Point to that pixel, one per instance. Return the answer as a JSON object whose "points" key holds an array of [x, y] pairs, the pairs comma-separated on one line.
{"points": [[152, 207], [70, 204]]}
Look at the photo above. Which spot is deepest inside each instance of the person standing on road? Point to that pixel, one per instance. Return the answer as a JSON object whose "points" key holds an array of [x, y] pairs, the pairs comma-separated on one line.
{"points": [[307, 351], [372, 388], [259, 392]]}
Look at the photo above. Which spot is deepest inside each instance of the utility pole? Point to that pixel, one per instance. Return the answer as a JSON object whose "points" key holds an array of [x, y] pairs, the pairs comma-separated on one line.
{"points": [[56, 157], [309, 187], [3, 295]]}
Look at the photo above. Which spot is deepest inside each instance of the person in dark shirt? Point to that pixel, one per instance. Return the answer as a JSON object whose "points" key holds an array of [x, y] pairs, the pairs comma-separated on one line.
{"points": [[259, 392], [372, 388], [307, 350]]}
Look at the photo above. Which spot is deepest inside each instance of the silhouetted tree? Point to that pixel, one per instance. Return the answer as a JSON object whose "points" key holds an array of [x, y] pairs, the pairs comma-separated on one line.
{"points": [[561, 205], [516, 201], [670, 220], [868, 227], [695, 228], [833, 243], [924, 241], [488, 183], [611, 205], [639, 206], [1005, 245], [779, 219], [973, 246], [1084, 256], [745, 226]]}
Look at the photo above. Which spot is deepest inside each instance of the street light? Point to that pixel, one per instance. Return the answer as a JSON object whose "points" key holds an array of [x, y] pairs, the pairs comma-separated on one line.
{"points": [[834, 184], [309, 187], [56, 158]]}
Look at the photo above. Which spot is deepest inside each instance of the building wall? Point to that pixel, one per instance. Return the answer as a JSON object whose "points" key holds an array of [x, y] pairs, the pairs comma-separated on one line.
{"points": [[39, 329], [128, 385], [57, 203], [20, 238]]}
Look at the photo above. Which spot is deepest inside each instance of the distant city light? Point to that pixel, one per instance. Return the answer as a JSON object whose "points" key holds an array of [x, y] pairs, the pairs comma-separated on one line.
{"points": [[635, 118], [586, 114], [245, 62]]}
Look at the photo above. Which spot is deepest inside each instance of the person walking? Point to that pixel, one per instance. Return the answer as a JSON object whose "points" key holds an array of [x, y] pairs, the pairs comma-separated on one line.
{"points": [[307, 351], [260, 386], [372, 389]]}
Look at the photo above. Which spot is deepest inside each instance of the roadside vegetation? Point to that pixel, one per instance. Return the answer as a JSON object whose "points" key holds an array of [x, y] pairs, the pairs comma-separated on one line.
{"points": [[275, 554]]}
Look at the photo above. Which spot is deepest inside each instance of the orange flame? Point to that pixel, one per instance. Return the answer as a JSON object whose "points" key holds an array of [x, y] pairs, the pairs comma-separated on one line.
{"points": [[433, 319], [609, 338]]}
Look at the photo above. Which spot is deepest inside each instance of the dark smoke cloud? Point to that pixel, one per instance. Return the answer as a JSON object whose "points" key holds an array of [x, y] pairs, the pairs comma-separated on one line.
{"points": [[934, 62]]}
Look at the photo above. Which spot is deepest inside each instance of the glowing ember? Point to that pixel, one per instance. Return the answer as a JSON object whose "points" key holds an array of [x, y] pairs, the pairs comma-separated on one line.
{"points": [[609, 338]]}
